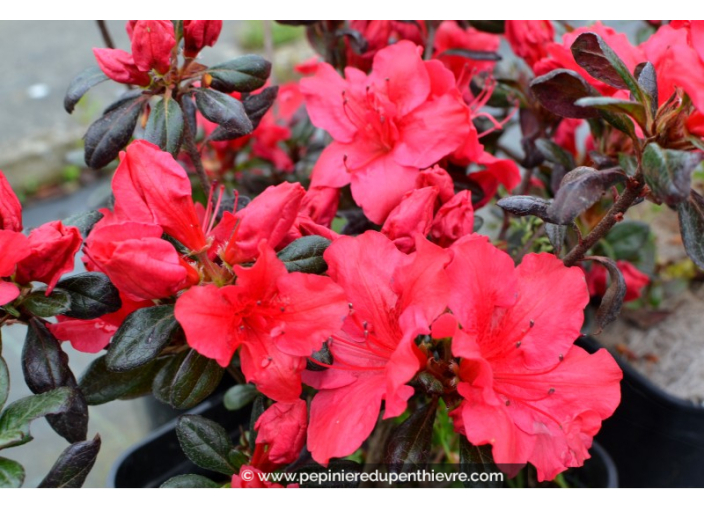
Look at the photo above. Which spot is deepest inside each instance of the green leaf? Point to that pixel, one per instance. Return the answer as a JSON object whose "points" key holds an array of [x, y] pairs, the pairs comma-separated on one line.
{"points": [[84, 221], [668, 172], [616, 106], [108, 135], [45, 367], [41, 305], [141, 337], [239, 396], [409, 446], [18, 415], [258, 408], [243, 74], [81, 84], [477, 459], [555, 154], [92, 295], [648, 82], [556, 236], [580, 189], [691, 214], [612, 301], [627, 239], [257, 105], [73, 466], [165, 126], [100, 385], [559, 90], [189, 482], [224, 110], [600, 61], [205, 442], [305, 255], [187, 380], [4, 382], [11, 474]]}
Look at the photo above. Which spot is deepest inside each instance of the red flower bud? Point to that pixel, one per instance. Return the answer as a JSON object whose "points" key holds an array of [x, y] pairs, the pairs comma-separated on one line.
{"points": [[320, 204], [152, 42], [454, 220], [529, 38], [119, 66], [282, 428], [197, 34], [437, 176], [15, 247], [412, 216], [10, 208], [53, 247]]}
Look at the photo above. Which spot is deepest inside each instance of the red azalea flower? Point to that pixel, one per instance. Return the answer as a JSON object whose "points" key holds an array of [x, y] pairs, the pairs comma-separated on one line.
{"points": [[52, 248], [119, 66], [393, 297], [380, 33], [454, 220], [528, 38], [450, 36], [278, 318], [405, 116], [411, 217], [197, 34], [152, 42], [281, 434], [10, 208], [527, 390], [14, 246], [151, 187]]}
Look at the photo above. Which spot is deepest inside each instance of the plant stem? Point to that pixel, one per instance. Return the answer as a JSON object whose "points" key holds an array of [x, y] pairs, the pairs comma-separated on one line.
{"points": [[430, 41], [189, 142], [107, 38], [633, 190]]}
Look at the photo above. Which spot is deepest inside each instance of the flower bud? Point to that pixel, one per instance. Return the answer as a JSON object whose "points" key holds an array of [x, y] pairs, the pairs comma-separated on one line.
{"points": [[10, 208], [119, 66], [197, 34], [152, 42]]}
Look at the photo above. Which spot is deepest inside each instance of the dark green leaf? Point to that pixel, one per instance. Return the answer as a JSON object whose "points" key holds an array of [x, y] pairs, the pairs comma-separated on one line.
{"points": [[600, 61], [92, 295], [81, 84], [258, 104], [243, 74], [409, 446], [141, 337], [555, 154], [4, 382], [668, 172], [189, 482], [188, 107], [72, 467], [187, 379], [108, 135], [324, 356], [616, 106], [17, 416], [558, 91], [100, 385], [580, 189], [477, 459], [11, 474], [44, 363], [205, 442], [522, 205], [691, 213], [223, 110], [239, 396], [41, 305], [305, 255], [613, 298], [491, 26], [648, 82], [489, 56], [627, 239], [165, 126], [556, 235], [258, 408], [84, 221]]}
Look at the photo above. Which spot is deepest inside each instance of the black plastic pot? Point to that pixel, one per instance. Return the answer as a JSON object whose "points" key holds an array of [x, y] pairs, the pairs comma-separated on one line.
{"points": [[655, 439], [158, 457]]}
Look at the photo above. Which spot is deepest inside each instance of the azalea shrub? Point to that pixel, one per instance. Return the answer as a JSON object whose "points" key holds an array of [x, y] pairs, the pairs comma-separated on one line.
{"points": [[360, 258]]}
